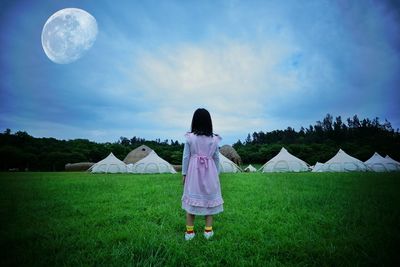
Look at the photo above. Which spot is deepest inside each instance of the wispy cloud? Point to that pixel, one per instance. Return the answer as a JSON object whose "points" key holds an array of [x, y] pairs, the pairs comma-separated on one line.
{"points": [[233, 79]]}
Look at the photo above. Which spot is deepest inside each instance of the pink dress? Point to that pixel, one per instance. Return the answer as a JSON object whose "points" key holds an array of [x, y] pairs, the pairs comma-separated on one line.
{"points": [[202, 190]]}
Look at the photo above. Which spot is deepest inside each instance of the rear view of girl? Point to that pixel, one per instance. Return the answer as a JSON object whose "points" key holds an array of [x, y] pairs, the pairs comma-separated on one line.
{"points": [[202, 191]]}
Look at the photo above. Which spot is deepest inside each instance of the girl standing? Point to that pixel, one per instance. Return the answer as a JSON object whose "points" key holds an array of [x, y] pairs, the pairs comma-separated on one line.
{"points": [[202, 190]]}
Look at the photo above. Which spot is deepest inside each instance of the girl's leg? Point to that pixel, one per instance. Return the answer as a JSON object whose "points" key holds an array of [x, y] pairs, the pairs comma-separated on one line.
{"points": [[189, 234], [209, 220], [208, 231], [189, 219]]}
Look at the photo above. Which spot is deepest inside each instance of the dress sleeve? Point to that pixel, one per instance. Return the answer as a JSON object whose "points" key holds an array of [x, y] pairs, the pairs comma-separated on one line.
{"points": [[216, 159], [185, 158]]}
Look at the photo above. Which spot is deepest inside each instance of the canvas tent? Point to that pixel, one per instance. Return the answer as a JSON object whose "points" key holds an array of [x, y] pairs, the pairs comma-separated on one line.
{"points": [[230, 153], [137, 154], [392, 164], [78, 166], [226, 165], [250, 168], [377, 163], [152, 163], [285, 162], [110, 164], [318, 167], [342, 162]]}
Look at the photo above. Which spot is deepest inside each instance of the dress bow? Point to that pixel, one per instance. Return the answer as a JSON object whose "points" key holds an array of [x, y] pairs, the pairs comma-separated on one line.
{"points": [[202, 161]]}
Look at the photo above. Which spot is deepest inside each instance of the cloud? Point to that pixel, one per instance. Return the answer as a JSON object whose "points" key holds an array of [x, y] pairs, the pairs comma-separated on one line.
{"points": [[233, 79]]}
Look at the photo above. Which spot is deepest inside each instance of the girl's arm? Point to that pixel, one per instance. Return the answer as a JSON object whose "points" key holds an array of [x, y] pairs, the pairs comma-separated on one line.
{"points": [[216, 159], [185, 158]]}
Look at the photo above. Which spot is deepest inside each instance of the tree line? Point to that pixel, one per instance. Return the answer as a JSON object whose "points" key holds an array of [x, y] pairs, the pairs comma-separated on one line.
{"points": [[358, 137], [319, 142], [20, 151]]}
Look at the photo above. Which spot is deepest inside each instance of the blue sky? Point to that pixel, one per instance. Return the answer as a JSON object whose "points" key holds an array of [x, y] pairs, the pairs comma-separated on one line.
{"points": [[255, 65]]}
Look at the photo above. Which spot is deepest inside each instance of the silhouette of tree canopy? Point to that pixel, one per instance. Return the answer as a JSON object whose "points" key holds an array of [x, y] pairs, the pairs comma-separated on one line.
{"points": [[23, 152], [359, 137], [320, 142]]}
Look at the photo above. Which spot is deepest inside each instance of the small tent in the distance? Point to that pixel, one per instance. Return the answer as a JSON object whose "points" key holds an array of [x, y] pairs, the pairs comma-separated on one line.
{"points": [[285, 162], [392, 164], [377, 163], [318, 167], [110, 164], [250, 168], [226, 165], [152, 163], [78, 166], [342, 162]]}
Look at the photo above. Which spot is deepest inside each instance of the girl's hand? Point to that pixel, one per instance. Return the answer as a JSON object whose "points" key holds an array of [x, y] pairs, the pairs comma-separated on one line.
{"points": [[183, 179]]}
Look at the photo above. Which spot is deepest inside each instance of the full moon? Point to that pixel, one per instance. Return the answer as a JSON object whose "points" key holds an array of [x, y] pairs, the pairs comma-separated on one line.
{"points": [[68, 34]]}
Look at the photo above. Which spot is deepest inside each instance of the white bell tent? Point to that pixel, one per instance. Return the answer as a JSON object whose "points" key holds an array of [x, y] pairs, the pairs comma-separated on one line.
{"points": [[129, 167], [250, 168], [110, 164], [152, 163], [377, 163], [285, 162], [318, 167], [226, 165], [342, 162], [392, 164]]}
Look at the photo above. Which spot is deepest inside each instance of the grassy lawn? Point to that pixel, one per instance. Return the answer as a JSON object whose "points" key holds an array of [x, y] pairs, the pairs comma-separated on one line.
{"points": [[287, 219]]}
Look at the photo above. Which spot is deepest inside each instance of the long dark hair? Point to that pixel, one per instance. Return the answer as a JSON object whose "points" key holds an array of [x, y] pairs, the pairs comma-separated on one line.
{"points": [[201, 123]]}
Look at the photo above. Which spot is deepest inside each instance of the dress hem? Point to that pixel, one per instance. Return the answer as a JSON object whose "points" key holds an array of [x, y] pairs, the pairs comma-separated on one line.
{"points": [[195, 210], [202, 203]]}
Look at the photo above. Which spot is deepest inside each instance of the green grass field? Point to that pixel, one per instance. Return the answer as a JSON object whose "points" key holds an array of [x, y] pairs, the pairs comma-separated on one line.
{"points": [[288, 219]]}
